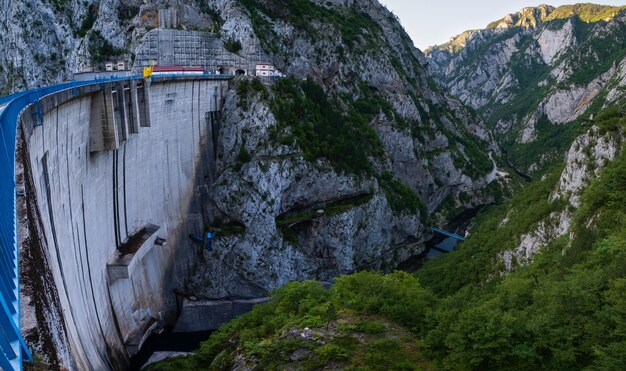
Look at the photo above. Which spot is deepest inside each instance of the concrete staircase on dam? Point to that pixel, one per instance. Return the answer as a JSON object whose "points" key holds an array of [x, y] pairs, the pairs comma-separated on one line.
{"points": [[107, 161]]}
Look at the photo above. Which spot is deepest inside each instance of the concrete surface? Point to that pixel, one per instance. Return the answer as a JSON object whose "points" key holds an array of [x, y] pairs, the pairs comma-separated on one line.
{"points": [[92, 198], [204, 315]]}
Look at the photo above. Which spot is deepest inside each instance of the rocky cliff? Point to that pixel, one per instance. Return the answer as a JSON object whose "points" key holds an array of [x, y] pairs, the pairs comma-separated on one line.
{"points": [[550, 83], [537, 75], [340, 171], [586, 159], [339, 166]]}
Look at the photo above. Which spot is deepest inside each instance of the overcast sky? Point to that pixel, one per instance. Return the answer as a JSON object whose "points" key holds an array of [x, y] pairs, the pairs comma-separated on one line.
{"points": [[431, 22]]}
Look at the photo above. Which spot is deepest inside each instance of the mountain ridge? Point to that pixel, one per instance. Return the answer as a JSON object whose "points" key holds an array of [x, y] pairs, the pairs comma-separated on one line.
{"points": [[531, 83], [531, 17]]}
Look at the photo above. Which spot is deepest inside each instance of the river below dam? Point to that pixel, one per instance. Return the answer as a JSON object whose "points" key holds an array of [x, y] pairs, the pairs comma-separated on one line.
{"points": [[440, 245]]}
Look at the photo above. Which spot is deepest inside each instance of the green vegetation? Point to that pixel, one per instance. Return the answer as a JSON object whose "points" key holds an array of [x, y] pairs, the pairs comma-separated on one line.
{"points": [[242, 89], [214, 15], [219, 228], [400, 197], [469, 152], [553, 140], [126, 12], [486, 46], [333, 208], [564, 310], [210, 11], [559, 312], [474, 260], [243, 157], [355, 26], [611, 119], [600, 46], [100, 48], [246, 87], [304, 114], [598, 51], [232, 45], [288, 224], [528, 71], [60, 5], [596, 54], [90, 19], [352, 320], [585, 12]]}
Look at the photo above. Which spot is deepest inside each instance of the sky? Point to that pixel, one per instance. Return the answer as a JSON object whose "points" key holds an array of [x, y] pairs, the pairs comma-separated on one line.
{"points": [[433, 22]]}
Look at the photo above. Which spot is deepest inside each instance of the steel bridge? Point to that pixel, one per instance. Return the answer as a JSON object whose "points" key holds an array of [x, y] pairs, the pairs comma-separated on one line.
{"points": [[13, 348], [448, 234]]}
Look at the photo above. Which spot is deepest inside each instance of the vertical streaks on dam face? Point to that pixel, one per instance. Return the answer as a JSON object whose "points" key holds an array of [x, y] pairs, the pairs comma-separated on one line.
{"points": [[68, 264], [119, 173]]}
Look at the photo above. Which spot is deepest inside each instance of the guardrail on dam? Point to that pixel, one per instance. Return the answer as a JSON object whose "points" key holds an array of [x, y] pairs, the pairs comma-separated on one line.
{"points": [[115, 171]]}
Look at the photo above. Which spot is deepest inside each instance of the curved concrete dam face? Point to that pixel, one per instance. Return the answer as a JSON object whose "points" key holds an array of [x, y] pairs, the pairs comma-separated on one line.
{"points": [[116, 174]]}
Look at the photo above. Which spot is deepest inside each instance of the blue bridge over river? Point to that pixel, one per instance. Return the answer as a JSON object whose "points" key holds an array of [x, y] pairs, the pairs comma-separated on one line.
{"points": [[447, 245], [448, 234]]}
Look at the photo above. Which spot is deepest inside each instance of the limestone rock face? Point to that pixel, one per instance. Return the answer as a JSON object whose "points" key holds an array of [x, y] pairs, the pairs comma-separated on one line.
{"points": [[567, 105], [432, 145], [589, 154], [418, 134], [553, 42], [587, 157], [555, 226], [37, 45], [532, 71], [278, 181]]}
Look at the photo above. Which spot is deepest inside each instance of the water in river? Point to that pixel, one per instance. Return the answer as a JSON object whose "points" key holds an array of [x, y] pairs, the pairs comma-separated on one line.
{"points": [[440, 245]]}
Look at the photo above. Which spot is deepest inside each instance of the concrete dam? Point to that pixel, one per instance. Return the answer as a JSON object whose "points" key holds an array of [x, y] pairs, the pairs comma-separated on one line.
{"points": [[110, 179]]}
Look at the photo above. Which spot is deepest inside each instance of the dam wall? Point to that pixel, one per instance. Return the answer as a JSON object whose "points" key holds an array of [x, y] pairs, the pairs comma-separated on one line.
{"points": [[119, 171]]}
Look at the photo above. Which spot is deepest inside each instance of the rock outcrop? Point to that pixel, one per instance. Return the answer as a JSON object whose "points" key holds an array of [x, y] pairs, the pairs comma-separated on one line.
{"points": [[537, 74], [432, 154], [432, 147], [587, 157]]}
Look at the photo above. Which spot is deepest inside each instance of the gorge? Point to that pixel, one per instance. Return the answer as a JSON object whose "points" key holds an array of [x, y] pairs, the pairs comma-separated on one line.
{"points": [[312, 181]]}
